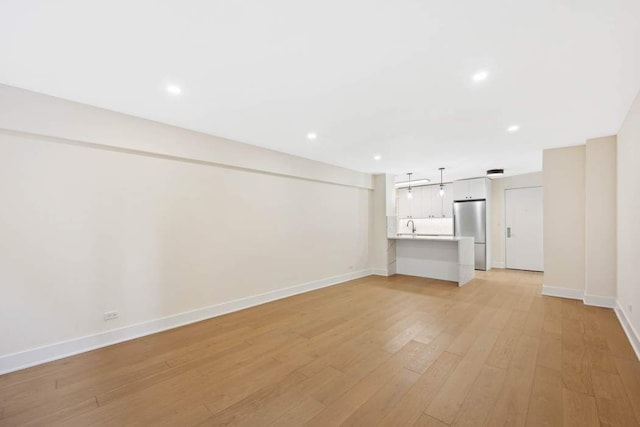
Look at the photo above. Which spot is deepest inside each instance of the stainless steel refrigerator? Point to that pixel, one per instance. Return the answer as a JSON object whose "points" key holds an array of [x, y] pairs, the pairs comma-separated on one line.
{"points": [[470, 219]]}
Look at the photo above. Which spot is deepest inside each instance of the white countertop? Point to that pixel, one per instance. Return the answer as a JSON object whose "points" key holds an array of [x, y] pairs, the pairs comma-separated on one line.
{"points": [[426, 237]]}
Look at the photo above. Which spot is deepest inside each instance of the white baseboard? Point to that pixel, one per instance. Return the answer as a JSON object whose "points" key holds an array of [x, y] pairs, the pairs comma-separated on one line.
{"points": [[379, 272], [632, 334], [594, 300], [497, 264], [600, 301], [553, 291], [24, 359]]}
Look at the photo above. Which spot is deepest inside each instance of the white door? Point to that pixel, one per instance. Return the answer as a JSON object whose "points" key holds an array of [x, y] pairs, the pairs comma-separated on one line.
{"points": [[523, 222]]}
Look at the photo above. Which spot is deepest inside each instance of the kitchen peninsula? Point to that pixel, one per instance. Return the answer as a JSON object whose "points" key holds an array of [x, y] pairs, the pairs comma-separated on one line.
{"points": [[436, 257]]}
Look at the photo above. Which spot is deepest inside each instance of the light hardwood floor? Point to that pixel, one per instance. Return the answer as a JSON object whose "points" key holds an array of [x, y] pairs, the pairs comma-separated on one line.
{"points": [[374, 351]]}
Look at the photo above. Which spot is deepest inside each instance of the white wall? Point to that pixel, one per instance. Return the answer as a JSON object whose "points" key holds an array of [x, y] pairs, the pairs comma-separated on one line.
{"points": [[93, 219], [382, 250], [564, 219], [580, 221], [378, 240], [628, 229], [499, 185], [33, 113], [600, 217]]}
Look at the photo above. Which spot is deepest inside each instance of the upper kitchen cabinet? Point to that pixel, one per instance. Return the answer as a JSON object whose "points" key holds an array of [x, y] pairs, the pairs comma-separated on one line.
{"points": [[470, 189], [425, 203], [418, 202], [403, 203], [410, 207], [441, 206], [447, 201]]}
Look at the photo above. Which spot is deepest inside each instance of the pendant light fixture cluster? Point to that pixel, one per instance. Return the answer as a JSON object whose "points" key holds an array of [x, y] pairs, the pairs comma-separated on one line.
{"points": [[409, 188]]}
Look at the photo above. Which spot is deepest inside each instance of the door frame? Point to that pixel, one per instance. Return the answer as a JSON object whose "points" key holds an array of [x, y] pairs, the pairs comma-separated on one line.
{"points": [[504, 198]]}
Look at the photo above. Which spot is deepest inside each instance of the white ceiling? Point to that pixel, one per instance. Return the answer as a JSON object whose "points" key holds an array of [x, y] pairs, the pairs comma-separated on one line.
{"points": [[369, 77]]}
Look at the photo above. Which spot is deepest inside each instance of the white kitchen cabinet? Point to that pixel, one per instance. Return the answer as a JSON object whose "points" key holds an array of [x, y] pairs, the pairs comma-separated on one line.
{"points": [[426, 202], [447, 201], [470, 189], [460, 190], [403, 203], [409, 207], [478, 188], [417, 202], [441, 206], [436, 202]]}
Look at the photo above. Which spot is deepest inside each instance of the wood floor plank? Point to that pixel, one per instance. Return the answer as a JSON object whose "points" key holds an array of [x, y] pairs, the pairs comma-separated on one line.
{"points": [[512, 403], [447, 403], [299, 414], [397, 350], [594, 333], [53, 416], [552, 315], [617, 341], [382, 402], [468, 335], [550, 350], [340, 409], [545, 404], [613, 404], [427, 421], [535, 318], [576, 369], [267, 404], [362, 367], [579, 410], [629, 371], [192, 416], [481, 398], [409, 408], [424, 359], [501, 318], [505, 346]]}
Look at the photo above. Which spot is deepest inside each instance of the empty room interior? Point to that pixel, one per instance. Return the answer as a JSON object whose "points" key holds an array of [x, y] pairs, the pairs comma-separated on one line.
{"points": [[322, 213]]}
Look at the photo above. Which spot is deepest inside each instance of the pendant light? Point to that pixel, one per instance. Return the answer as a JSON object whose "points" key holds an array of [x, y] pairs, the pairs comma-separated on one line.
{"points": [[441, 184], [409, 194]]}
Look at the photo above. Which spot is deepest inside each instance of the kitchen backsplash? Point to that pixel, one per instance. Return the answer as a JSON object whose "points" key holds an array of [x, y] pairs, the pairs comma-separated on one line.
{"points": [[439, 226]]}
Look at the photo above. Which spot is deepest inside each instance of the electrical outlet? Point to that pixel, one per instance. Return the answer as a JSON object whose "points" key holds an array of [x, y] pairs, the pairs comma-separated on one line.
{"points": [[110, 315]]}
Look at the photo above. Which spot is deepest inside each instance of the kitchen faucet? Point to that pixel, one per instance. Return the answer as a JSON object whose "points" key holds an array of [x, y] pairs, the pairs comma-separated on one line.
{"points": [[413, 226]]}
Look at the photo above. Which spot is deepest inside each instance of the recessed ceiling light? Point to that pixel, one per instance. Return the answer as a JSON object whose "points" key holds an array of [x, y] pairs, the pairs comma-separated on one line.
{"points": [[480, 76], [312, 135], [513, 128], [495, 172], [377, 157], [174, 89]]}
